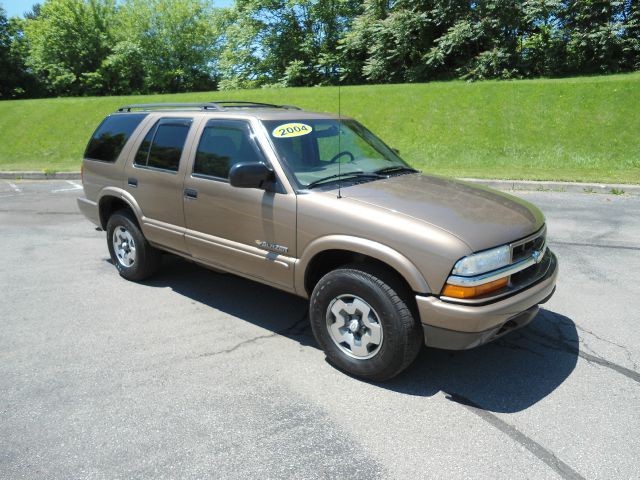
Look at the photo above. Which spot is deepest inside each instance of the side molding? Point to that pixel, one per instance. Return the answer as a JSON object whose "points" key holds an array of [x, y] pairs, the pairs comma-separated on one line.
{"points": [[366, 247]]}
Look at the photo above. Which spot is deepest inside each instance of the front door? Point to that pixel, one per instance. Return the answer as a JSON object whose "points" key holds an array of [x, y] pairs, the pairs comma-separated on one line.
{"points": [[245, 230]]}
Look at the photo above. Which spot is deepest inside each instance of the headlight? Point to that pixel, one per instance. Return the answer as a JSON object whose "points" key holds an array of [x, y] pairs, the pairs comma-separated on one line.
{"points": [[483, 262]]}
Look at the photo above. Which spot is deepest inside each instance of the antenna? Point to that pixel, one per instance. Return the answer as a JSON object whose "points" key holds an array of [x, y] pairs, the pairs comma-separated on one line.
{"points": [[337, 69], [339, 135]]}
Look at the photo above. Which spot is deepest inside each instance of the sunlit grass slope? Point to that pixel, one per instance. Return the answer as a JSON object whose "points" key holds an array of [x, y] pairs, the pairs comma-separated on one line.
{"points": [[578, 129]]}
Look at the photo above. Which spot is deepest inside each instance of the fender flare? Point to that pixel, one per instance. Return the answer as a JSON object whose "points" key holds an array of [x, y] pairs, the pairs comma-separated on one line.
{"points": [[373, 249], [123, 195]]}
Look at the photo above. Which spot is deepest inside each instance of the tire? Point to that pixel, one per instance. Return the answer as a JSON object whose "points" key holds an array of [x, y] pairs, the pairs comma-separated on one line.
{"points": [[389, 337], [130, 252]]}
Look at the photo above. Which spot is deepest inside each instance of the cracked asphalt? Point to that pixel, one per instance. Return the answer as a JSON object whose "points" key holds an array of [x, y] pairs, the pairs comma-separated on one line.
{"points": [[197, 374]]}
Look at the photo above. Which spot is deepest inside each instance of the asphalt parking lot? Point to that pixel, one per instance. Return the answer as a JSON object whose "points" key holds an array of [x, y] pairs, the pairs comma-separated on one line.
{"points": [[197, 374]]}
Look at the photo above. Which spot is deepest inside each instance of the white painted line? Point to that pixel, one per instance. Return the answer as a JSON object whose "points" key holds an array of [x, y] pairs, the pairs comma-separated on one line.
{"points": [[76, 186], [15, 187]]}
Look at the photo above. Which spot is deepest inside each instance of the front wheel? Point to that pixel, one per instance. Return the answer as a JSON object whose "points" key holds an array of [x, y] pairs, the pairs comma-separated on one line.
{"points": [[130, 252], [363, 324]]}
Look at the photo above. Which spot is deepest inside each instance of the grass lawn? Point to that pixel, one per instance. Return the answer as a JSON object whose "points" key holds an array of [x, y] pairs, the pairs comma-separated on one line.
{"points": [[576, 129]]}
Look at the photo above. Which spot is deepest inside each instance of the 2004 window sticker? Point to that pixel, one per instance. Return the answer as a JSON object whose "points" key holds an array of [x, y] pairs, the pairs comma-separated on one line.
{"points": [[289, 130]]}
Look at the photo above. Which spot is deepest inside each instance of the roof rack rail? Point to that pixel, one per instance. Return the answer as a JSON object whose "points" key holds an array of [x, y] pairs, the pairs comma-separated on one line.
{"points": [[241, 104], [218, 106], [150, 106]]}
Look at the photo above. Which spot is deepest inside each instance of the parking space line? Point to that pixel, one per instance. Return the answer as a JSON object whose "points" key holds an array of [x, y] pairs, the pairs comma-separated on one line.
{"points": [[76, 186]]}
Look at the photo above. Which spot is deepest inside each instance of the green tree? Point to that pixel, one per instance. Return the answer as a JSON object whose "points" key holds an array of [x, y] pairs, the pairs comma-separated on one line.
{"points": [[354, 46], [283, 42], [123, 70], [594, 29], [8, 80], [421, 40], [68, 41], [409, 41], [16, 80], [80, 47], [631, 35], [542, 47], [173, 41], [391, 39]]}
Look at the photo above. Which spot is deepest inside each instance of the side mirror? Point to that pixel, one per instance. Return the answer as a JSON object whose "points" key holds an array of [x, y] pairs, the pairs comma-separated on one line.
{"points": [[252, 175]]}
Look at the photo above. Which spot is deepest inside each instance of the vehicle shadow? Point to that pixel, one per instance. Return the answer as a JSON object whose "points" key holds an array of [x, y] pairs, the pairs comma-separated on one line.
{"points": [[264, 306], [508, 375]]}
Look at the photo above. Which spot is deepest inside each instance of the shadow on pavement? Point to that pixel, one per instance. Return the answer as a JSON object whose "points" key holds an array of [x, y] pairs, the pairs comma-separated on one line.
{"points": [[508, 375], [266, 307]]}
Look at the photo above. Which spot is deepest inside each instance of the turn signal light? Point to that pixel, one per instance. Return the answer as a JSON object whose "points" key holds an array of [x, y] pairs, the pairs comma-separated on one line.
{"points": [[456, 291]]}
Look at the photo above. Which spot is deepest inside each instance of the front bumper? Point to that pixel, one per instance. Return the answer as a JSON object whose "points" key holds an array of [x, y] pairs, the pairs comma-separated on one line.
{"points": [[454, 326]]}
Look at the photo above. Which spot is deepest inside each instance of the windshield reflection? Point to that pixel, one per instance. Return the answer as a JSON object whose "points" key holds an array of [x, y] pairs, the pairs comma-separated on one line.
{"points": [[324, 150]]}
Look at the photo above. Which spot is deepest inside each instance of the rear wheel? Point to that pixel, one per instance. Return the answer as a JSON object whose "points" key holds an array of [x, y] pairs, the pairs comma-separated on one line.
{"points": [[130, 252], [363, 324]]}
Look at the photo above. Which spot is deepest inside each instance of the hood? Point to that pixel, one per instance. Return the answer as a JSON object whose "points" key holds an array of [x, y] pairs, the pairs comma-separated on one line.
{"points": [[479, 216]]}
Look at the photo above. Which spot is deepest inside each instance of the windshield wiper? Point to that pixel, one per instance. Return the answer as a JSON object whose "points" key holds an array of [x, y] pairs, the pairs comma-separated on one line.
{"points": [[345, 175], [396, 169]]}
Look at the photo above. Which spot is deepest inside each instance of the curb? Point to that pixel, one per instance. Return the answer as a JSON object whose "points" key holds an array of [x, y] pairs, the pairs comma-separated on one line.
{"points": [[541, 186], [547, 186], [40, 176]]}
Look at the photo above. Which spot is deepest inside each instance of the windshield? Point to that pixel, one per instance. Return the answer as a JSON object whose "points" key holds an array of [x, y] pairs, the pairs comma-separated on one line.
{"points": [[315, 150]]}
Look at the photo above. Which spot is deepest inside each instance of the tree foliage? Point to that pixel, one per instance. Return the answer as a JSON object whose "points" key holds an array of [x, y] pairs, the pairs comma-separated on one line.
{"points": [[96, 47], [15, 79], [68, 41], [173, 42], [81, 47], [283, 42], [421, 40]]}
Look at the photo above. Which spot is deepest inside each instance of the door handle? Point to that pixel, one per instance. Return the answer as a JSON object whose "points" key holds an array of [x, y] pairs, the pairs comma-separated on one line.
{"points": [[190, 193], [133, 182]]}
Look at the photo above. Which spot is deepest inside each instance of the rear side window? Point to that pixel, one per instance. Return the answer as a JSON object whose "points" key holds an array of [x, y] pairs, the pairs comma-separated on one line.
{"points": [[223, 144], [112, 134], [162, 146]]}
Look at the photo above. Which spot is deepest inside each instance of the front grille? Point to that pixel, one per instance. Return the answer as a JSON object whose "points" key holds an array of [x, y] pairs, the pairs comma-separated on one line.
{"points": [[525, 277], [524, 249]]}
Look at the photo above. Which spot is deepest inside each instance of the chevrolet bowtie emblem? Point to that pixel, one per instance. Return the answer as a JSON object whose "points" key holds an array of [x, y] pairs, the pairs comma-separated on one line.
{"points": [[537, 256]]}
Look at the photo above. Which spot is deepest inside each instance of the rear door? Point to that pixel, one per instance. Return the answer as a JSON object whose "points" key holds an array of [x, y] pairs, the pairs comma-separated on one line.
{"points": [[154, 176], [246, 230]]}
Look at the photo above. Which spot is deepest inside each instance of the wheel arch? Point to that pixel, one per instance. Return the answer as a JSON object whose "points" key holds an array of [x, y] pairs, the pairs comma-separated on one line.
{"points": [[330, 252], [111, 200]]}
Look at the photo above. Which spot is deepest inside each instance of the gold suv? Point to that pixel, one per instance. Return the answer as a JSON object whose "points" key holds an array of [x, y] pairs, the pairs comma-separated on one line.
{"points": [[317, 205]]}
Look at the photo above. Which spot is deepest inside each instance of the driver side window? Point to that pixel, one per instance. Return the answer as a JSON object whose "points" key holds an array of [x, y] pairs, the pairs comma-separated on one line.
{"points": [[222, 145]]}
